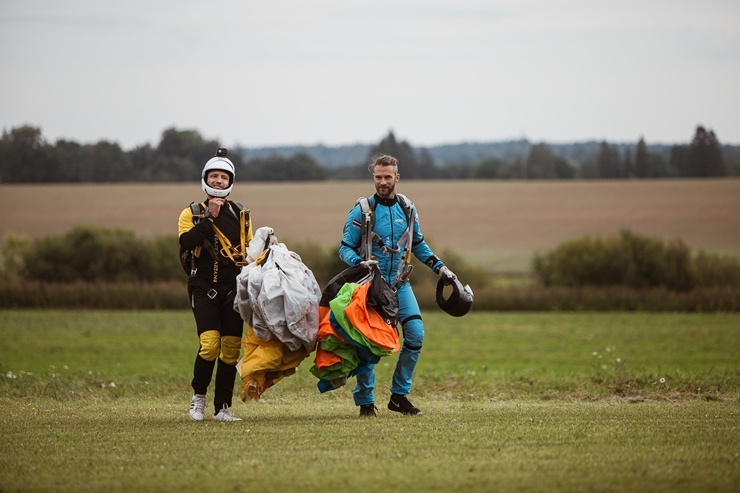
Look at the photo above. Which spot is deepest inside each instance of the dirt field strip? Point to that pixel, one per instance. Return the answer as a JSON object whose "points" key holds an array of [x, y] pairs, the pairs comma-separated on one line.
{"points": [[499, 225]]}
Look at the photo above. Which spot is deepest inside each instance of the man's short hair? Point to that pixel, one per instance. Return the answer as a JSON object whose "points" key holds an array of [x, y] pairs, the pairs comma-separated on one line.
{"points": [[383, 160]]}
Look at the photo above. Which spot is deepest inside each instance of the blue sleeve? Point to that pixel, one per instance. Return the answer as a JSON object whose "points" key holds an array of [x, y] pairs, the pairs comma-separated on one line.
{"points": [[351, 237], [421, 249]]}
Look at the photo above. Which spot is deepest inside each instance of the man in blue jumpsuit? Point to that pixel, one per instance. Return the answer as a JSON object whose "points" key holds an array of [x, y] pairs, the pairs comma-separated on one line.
{"points": [[390, 224]]}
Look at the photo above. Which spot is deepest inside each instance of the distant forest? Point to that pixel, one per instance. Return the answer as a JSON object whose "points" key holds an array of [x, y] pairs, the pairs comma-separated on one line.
{"points": [[27, 157]]}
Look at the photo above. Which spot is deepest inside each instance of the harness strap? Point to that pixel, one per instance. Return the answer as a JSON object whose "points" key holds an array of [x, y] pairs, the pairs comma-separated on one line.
{"points": [[385, 248], [406, 241], [199, 214], [369, 236], [243, 220], [238, 255]]}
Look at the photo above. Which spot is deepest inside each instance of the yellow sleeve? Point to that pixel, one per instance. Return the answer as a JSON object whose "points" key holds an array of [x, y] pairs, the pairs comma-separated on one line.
{"points": [[185, 221]]}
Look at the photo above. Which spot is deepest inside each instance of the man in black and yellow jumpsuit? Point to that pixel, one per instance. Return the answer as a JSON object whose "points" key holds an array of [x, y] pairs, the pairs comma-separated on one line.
{"points": [[217, 241]]}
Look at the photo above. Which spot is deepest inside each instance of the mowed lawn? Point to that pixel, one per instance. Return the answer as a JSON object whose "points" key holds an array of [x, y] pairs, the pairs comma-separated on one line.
{"points": [[536, 402], [497, 225]]}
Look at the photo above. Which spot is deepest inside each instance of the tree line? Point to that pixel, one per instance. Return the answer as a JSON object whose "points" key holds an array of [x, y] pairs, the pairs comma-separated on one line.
{"points": [[27, 157]]}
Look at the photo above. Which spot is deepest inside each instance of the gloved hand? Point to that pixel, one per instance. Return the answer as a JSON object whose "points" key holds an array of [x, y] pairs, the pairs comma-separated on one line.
{"points": [[368, 264], [445, 272]]}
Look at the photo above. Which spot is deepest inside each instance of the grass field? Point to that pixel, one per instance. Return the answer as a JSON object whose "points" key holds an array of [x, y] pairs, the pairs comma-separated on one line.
{"points": [[96, 401], [498, 225]]}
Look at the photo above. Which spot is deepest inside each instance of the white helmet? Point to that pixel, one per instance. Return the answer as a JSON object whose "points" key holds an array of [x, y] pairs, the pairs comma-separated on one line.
{"points": [[221, 163]]}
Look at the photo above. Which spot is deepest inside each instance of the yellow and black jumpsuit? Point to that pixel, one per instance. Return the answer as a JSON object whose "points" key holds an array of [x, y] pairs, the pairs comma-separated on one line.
{"points": [[212, 288]]}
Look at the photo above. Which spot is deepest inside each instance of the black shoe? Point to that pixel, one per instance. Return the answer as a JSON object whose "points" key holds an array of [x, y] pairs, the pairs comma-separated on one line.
{"points": [[401, 404], [368, 411]]}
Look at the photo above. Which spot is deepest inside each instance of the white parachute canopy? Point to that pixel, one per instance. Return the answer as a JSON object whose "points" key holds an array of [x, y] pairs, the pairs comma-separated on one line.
{"points": [[280, 294]]}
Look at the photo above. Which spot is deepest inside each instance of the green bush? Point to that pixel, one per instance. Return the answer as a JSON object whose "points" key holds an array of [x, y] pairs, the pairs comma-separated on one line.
{"points": [[163, 261], [583, 261], [13, 253], [93, 254], [101, 268], [635, 261], [90, 254], [716, 270]]}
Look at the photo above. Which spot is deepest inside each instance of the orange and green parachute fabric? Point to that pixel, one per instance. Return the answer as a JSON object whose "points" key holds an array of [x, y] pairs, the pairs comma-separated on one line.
{"points": [[381, 338], [353, 334], [362, 323]]}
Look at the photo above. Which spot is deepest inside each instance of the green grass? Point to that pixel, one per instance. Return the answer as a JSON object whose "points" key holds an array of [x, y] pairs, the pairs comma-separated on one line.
{"points": [[96, 401]]}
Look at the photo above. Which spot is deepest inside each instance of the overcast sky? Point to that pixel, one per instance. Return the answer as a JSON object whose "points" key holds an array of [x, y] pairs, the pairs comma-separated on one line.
{"points": [[271, 72]]}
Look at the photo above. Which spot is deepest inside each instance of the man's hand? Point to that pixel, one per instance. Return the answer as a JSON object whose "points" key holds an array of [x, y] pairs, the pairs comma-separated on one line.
{"points": [[445, 272], [214, 206], [368, 264]]}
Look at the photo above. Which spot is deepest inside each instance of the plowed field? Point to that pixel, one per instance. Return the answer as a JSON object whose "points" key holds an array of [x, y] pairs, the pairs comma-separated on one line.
{"points": [[498, 225]]}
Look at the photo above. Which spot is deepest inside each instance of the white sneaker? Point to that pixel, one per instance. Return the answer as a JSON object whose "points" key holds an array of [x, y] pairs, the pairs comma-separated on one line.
{"points": [[225, 414], [197, 407]]}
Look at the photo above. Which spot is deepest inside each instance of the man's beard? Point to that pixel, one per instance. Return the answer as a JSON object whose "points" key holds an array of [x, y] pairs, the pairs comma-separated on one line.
{"points": [[386, 192]]}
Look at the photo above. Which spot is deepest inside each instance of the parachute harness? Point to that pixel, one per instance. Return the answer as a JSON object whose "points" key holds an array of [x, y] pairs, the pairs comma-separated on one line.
{"points": [[369, 236], [237, 254]]}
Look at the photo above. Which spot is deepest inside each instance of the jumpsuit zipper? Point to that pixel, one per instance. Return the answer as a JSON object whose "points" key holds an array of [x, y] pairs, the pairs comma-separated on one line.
{"points": [[391, 263]]}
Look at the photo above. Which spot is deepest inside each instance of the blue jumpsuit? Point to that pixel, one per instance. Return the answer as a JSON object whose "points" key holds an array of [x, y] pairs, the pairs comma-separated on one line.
{"points": [[390, 224]]}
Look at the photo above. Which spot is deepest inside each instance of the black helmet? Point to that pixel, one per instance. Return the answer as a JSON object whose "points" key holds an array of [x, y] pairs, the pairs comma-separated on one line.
{"points": [[459, 302]]}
